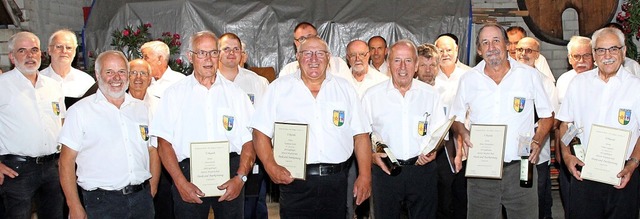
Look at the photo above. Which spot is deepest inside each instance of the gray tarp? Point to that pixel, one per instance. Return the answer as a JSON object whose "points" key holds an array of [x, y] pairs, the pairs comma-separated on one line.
{"points": [[267, 26]]}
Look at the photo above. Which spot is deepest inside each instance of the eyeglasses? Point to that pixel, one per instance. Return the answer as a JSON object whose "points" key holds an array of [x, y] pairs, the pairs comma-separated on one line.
{"points": [[228, 50], [61, 48], [23, 51], [112, 73], [304, 38], [307, 54], [586, 56], [138, 73], [614, 50], [360, 55], [526, 51], [201, 54]]}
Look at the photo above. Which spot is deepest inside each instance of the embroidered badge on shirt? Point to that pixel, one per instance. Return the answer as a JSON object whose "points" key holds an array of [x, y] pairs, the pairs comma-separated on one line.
{"points": [[251, 97], [144, 132], [55, 106], [423, 125], [338, 117], [518, 103], [624, 115], [227, 122]]}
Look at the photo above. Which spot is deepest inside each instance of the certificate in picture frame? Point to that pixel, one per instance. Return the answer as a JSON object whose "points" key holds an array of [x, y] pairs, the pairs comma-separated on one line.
{"points": [[487, 154], [290, 141]]}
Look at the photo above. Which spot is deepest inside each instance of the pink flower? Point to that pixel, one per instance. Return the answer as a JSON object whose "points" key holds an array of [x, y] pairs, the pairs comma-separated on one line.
{"points": [[176, 36], [178, 43], [179, 61], [147, 25], [166, 34], [125, 33], [137, 32]]}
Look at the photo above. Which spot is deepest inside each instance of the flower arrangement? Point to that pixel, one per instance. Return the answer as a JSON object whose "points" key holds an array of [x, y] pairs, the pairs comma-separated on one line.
{"points": [[129, 40], [629, 18]]}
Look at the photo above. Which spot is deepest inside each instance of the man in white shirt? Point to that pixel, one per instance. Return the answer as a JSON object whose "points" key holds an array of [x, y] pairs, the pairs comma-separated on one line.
{"points": [[330, 107], [428, 59], [31, 113], [527, 51], [230, 55], [378, 51], [204, 107], [404, 113], [363, 75], [156, 53], [139, 81], [488, 93], [605, 96], [515, 33], [62, 49], [303, 31], [106, 136]]}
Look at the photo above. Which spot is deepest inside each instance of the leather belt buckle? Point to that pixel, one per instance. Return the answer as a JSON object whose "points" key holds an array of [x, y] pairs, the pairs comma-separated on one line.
{"points": [[324, 170]]}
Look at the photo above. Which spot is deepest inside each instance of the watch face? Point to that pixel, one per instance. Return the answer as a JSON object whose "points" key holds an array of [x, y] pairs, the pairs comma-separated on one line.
{"points": [[243, 178]]}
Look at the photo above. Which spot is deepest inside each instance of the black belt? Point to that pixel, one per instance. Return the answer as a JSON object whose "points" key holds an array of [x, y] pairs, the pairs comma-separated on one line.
{"points": [[128, 189], [37, 160], [323, 169], [410, 161]]}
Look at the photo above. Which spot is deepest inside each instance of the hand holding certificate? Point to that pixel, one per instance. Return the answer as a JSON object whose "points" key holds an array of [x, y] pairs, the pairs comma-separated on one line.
{"points": [[210, 166], [290, 147], [486, 156], [606, 153]]}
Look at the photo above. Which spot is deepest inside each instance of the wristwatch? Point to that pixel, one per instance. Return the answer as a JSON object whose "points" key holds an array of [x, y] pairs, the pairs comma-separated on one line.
{"points": [[635, 161], [242, 177]]}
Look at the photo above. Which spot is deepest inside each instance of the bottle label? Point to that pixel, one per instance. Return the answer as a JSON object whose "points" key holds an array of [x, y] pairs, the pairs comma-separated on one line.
{"points": [[390, 155], [524, 169], [579, 151]]}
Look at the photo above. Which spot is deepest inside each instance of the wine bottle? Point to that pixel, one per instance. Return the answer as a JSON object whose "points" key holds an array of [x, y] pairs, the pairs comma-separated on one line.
{"points": [[576, 150], [390, 161], [526, 172]]}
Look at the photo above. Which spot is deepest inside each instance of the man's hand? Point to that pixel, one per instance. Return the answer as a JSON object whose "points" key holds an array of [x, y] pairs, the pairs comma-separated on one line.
{"points": [[5, 170], [457, 161], [362, 189], [376, 158], [625, 174], [77, 213], [535, 152], [571, 162], [279, 174], [189, 192], [154, 191], [233, 187], [424, 159]]}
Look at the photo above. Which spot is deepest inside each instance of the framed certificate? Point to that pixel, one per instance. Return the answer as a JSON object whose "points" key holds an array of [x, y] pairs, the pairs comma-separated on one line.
{"points": [[290, 147], [435, 143], [486, 156], [606, 152], [210, 166]]}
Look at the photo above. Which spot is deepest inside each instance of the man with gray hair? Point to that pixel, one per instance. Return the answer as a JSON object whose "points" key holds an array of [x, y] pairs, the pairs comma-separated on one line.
{"points": [[117, 169], [156, 53], [605, 96], [428, 60], [31, 114], [364, 76], [62, 49]]}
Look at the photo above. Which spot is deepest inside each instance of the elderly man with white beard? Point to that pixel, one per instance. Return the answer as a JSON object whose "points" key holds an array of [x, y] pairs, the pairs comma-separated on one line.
{"points": [[364, 76]]}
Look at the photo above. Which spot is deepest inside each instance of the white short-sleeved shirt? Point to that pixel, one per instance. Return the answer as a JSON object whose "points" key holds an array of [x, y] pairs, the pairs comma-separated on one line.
{"points": [[112, 143], [334, 116], [542, 66], [370, 79], [491, 103], [632, 66], [406, 123], [551, 91], [337, 67], [30, 117], [448, 86], [252, 84], [563, 83], [75, 84], [189, 112], [384, 68], [157, 88], [589, 100]]}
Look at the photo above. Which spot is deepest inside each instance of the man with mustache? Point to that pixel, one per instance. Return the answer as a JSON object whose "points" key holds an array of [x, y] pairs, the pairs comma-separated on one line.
{"points": [[378, 51], [428, 60], [488, 93], [581, 59], [31, 113], [106, 136], [62, 49], [607, 96], [364, 76]]}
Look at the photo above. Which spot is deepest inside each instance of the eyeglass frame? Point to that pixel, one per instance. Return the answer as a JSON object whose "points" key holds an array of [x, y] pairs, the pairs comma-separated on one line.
{"points": [[526, 51], [360, 55], [60, 47], [614, 50], [304, 38], [199, 54], [325, 53], [139, 73], [582, 56]]}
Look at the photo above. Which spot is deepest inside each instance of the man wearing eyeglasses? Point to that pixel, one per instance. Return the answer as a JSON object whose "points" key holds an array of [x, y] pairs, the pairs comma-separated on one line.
{"points": [[581, 59], [527, 51], [139, 81], [230, 55], [364, 76], [302, 32], [515, 33], [31, 113], [607, 96], [337, 128], [204, 107], [62, 49], [106, 136], [156, 53]]}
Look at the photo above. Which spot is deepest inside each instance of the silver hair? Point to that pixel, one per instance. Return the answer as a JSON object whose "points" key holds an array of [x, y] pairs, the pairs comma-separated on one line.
{"points": [[158, 47], [607, 30], [74, 38], [20, 35], [406, 42], [99, 61], [197, 35], [577, 40]]}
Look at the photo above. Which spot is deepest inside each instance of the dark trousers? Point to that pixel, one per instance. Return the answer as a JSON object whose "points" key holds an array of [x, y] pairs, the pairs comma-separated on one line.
{"points": [[545, 201], [221, 210], [113, 204], [39, 182], [415, 186], [452, 189], [591, 199], [315, 197], [255, 205], [459, 188], [163, 202], [564, 180]]}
